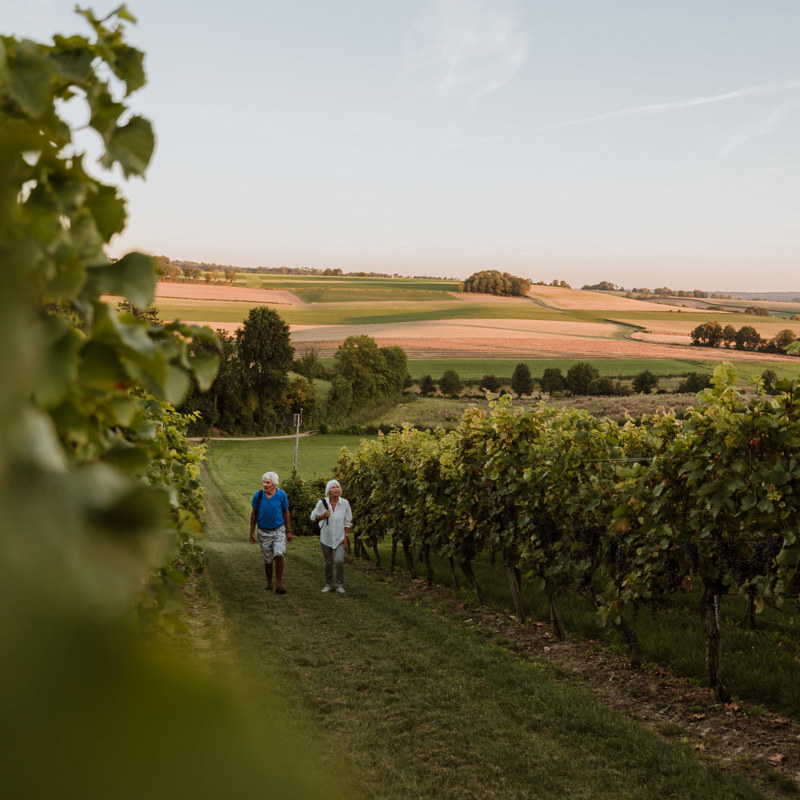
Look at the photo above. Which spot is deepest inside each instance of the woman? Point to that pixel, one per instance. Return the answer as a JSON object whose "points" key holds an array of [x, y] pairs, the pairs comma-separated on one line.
{"points": [[334, 517]]}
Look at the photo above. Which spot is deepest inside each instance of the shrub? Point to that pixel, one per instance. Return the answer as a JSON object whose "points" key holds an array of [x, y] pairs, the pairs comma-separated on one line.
{"points": [[451, 384]]}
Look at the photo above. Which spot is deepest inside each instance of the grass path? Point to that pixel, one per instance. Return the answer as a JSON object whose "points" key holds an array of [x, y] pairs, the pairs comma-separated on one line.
{"points": [[400, 703]]}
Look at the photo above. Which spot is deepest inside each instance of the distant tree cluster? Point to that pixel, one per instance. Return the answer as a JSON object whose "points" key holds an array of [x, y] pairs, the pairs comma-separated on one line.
{"points": [[492, 281], [192, 272], [603, 286], [712, 334]]}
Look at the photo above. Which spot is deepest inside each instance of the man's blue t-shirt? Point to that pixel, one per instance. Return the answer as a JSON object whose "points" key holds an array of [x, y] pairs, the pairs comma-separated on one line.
{"points": [[270, 512]]}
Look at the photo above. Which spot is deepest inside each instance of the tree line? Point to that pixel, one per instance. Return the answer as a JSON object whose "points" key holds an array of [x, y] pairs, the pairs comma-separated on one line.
{"points": [[581, 380], [713, 334]]}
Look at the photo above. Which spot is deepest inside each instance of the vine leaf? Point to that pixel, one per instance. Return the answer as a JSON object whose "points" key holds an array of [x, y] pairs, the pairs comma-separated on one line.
{"points": [[131, 146]]}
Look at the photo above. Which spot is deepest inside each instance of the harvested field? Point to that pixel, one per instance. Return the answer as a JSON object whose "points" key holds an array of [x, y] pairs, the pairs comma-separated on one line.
{"points": [[207, 291], [508, 338], [575, 299], [500, 338]]}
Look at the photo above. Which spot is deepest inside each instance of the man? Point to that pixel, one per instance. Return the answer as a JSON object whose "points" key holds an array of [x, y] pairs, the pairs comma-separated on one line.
{"points": [[271, 514]]}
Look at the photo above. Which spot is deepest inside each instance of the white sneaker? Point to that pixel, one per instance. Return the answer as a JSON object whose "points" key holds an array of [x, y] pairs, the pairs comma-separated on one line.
{"points": [[327, 588], [340, 590]]}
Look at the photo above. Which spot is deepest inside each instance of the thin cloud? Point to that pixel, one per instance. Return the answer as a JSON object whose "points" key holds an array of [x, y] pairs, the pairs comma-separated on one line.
{"points": [[466, 48], [761, 127], [642, 111]]}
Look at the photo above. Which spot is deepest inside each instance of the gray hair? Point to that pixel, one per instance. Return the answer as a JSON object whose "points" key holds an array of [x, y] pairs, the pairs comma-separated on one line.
{"points": [[329, 485], [273, 476]]}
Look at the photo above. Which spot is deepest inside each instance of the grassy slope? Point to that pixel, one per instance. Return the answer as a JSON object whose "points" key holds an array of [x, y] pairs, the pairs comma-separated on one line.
{"points": [[401, 704]]}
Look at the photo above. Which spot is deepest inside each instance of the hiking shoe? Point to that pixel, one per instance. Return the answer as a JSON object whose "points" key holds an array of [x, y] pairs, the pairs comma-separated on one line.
{"points": [[280, 590], [340, 590], [327, 588], [267, 588]]}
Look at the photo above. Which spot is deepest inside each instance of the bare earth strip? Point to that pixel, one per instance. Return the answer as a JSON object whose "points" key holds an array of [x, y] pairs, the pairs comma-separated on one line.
{"points": [[205, 291]]}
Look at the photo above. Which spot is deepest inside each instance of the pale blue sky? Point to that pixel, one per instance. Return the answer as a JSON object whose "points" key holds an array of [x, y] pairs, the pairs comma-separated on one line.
{"points": [[645, 143]]}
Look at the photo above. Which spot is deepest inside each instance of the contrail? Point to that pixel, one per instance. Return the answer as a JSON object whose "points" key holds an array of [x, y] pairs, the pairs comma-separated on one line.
{"points": [[640, 111]]}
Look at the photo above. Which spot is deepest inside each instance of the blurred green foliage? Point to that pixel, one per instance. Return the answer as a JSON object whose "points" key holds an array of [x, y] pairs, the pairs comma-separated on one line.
{"points": [[99, 488]]}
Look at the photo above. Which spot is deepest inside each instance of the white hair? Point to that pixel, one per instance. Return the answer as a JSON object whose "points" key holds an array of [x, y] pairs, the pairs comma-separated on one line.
{"points": [[273, 476], [329, 485]]}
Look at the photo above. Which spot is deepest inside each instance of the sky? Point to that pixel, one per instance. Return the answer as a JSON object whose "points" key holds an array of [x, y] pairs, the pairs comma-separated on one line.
{"points": [[643, 143]]}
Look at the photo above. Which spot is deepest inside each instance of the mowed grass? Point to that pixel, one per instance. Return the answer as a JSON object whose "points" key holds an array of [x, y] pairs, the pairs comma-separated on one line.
{"points": [[338, 294], [400, 703], [386, 285], [357, 314], [246, 461]]}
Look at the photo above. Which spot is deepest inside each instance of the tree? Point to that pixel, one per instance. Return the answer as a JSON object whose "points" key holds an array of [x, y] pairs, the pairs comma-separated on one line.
{"points": [[553, 380], [728, 335], [301, 397], [783, 339], [265, 356], [426, 386], [645, 382], [521, 380], [340, 398], [396, 369], [579, 378], [490, 383], [707, 334], [694, 382], [450, 383], [747, 338], [769, 380], [309, 365]]}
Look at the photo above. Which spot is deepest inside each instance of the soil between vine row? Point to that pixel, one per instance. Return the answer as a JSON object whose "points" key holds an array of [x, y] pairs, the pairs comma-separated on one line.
{"points": [[759, 746]]}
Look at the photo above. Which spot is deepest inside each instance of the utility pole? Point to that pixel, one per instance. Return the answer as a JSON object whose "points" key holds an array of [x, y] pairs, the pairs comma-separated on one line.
{"points": [[297, 420]]}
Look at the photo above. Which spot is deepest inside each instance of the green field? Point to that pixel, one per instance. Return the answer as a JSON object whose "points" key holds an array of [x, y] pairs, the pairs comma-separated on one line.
{"points": [[304, 282], [341, 314]]}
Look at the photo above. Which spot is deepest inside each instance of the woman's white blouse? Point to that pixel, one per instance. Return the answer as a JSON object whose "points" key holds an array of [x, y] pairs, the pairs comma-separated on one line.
{"points": [[331, 529]]}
